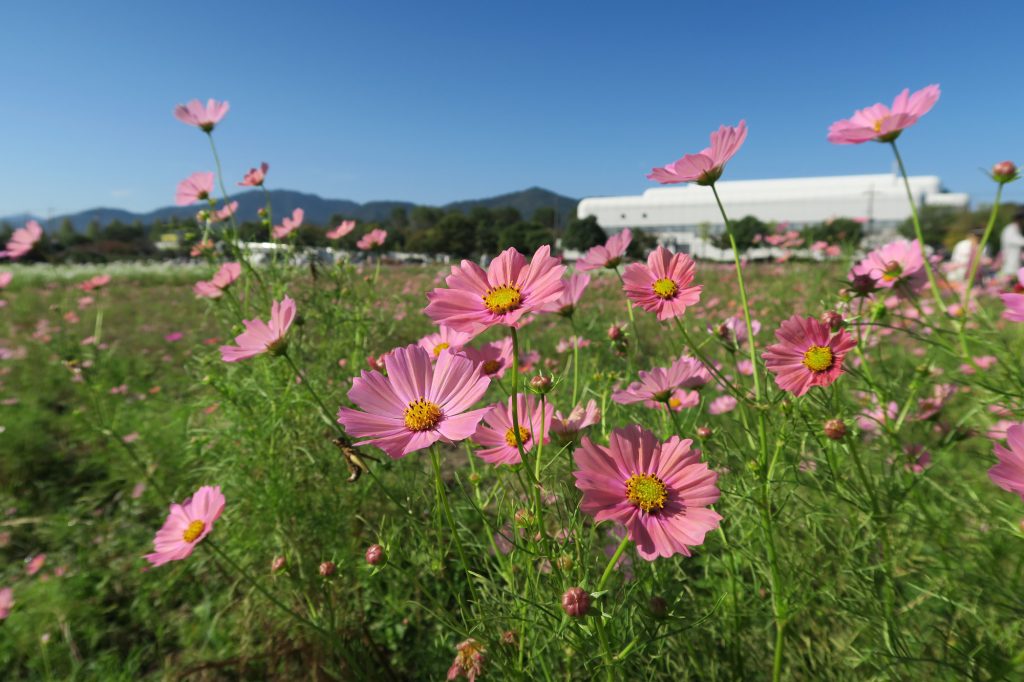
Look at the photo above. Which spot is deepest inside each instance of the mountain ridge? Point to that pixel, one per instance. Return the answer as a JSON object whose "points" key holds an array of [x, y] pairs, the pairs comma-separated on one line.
{"points": [[318, 210]]}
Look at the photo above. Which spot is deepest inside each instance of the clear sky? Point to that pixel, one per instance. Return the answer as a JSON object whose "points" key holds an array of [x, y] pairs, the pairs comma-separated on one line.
{"points": [[437, 101]]}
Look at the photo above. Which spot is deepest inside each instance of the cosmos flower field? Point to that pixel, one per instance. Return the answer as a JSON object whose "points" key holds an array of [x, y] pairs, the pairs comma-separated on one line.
{"points": [[619, 468]]}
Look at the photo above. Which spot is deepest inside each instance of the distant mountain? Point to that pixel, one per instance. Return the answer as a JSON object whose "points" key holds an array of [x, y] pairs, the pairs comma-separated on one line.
{"points": [[318, 210]]}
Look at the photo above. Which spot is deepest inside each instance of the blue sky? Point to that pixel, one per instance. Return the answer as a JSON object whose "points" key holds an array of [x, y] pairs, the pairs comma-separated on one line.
{"points": [[434, 102]]}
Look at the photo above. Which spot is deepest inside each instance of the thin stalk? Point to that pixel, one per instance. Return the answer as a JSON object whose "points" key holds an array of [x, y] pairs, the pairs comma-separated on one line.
{"points": [[442, 495], [575, 359], [936, 294], [976, 260]]}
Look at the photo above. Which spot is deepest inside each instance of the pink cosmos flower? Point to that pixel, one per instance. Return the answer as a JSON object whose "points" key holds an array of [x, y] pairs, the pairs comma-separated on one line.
{"points": [[255, 176], [260, 337], [494, 358], [442, 339], [705, 167], [571, 343], [656, 387], [186, 525], [22, 241], [499, 440], [1008, 474], [5, 278], [6, 602], [476, 300], [881, 123], [734, 330], [35, 564], [372, 239], [607, 255], [568, 428], [659, 491], [1014, 302], [808, 354], [663, 286], [722, 405], [93, 283], [418, 403], [203, 117], [289, 224], [196, 187], [575, 285], [224, 277], [341, 230], [897, 263], [680, 400], [916, 458], [224, 212]]}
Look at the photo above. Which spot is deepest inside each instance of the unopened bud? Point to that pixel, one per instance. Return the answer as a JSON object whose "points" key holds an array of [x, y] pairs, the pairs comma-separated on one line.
{"points": [[277, 564], [833, 320], [374, 554], [576, 602], [615, 332], [541, 384], [508, 637], [327, 568], [261, 212], [1004, 171], [863, 284], [704, 432], [835, 429]]}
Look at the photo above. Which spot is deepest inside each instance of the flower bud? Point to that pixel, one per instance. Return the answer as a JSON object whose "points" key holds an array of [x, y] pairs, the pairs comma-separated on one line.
{"points": [[261, 212], [835, 429], [1004, 171], [615, 332], [576, 602], [833, 320], [704, 432], [374, 554], [541, 384], [327, 568], [863, 284], [523, 518], [509, 637], [277, 564]]}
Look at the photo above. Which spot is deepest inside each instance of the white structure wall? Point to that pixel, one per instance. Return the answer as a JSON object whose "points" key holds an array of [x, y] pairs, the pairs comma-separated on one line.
{"points": [[879, 199]]}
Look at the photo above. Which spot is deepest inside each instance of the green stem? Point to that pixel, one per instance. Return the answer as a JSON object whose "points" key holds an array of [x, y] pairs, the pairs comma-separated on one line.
{"points": [[316, 398], [442, 495], [611, 563], [632, 320], [975, 262], [917, 231], [575, 359]]}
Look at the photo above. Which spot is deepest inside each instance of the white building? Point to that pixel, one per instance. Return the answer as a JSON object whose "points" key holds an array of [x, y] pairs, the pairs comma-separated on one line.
{"points": [[678, 215]]}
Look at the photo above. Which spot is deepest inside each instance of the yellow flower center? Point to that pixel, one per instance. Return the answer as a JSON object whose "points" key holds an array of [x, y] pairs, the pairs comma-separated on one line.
{"points": [[818, 358], [194, 530], [646, 491], [510, 436], [878, 125], [674, 402], [664, 288], [491, 366], [503, 299], [440, 347], [422, 415], [892, 271]]}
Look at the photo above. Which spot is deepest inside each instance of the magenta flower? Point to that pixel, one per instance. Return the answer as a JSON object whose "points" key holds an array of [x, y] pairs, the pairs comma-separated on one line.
{"points": [[372, 240], [568, 428], [256, 176], [341, 230], [897, 263], [93, 283], [705, 167], [469, 661], [722, 405], [565, 305], [1014, 302], [476, 300], [22, 241], [499, 440], [494, 358], [657, 386], [186, 525], [260, 337], [35, 564], [444, 338], [5, 278], [203, 117], [659, 491], [6, 602], [1008, 474], [734, 330], [196, 187], [418, 403], [882, 124], [571, 343], [663, 286], [607, 255], [289, 224], [224, 212], [808, 354]]}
